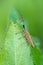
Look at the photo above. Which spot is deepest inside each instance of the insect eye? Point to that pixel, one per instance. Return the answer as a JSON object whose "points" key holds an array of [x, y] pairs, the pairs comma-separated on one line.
{"points": [[24, 26]]}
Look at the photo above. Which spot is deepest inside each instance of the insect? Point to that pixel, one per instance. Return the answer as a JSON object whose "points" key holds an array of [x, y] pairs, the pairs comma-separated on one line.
{"points": [[27, 36], [20, 19]]}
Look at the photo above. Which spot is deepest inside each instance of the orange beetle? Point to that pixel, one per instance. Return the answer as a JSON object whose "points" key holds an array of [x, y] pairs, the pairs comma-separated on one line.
{"points": [[27, 36]]}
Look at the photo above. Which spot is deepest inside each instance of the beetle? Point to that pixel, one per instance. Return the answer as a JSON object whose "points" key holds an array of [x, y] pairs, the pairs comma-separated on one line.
{"points": [[27, 36]]}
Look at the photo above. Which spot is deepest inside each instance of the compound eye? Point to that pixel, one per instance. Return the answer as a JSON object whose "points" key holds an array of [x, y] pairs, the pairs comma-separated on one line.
{"points": [[24, 26]]}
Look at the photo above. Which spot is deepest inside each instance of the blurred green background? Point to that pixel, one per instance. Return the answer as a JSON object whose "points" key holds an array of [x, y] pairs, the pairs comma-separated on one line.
{"points": [[5, 6], [32, 11]]}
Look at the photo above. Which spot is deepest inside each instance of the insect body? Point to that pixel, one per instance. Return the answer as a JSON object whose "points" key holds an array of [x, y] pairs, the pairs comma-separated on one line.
{"points": [[27, 36]]}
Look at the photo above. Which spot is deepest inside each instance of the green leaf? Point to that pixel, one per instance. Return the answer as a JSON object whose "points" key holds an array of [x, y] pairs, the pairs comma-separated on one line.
{"points": [[16, 49], [36, 55]]}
